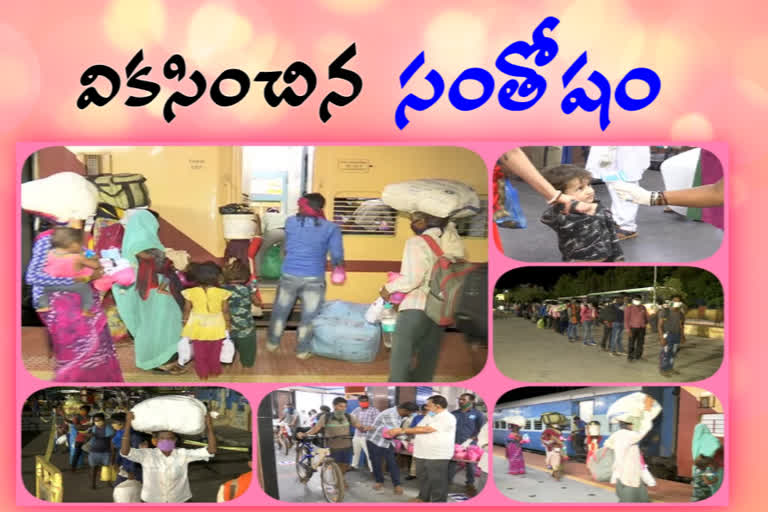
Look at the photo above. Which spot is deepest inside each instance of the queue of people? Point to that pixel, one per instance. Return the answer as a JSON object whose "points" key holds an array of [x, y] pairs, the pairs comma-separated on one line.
{"points": [[623, 315]]}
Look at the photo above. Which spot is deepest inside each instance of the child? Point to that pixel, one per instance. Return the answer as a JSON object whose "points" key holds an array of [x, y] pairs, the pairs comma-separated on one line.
{"points": [[101, 446], [66, 259], [127, 470], [593, 440], [244, 295], [589, 236], [206, 318], [552, 439], [515, 444]]}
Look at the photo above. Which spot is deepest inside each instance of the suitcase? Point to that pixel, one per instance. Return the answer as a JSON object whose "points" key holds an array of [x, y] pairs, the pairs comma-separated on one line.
{"points": [[340, 331]]}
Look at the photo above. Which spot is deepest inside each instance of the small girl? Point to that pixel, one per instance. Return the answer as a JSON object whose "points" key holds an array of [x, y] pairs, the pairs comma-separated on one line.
{"points": [[589, 236], [593, 440], [245, 293], [515, 443], [206, 318], [66, 259]]}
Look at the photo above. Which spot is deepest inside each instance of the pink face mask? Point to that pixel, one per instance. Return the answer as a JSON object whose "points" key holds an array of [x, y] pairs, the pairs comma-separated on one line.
{"points": [[166, 445]]}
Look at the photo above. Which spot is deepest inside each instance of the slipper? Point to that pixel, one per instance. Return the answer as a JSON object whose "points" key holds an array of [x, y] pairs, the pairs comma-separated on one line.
{"points": [[170, 369]]}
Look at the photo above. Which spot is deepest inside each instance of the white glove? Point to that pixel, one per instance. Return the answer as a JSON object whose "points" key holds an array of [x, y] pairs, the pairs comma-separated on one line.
{"points": [[632, 192]]}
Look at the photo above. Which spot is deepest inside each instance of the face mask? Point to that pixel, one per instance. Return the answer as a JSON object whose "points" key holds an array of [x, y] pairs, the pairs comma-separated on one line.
{"points": [[364, 405], [339, 415], [636, 302], [286, 411], [677, 304], [431, 413], [166, 445], [466, 405]]}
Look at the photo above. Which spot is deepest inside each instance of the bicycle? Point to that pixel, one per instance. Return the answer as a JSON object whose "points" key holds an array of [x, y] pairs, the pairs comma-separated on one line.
{"points": [[312, 457]]}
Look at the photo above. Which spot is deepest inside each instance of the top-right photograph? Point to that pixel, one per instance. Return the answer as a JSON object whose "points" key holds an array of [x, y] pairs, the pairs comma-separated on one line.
{"points": [[609, 203]]}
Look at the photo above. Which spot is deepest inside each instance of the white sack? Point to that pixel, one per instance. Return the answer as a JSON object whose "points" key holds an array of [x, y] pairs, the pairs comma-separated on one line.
{"points": [[64, 195], [440, 198], [180, 414]]}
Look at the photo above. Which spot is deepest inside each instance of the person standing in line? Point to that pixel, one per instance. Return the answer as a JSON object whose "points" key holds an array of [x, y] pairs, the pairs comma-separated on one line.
{"points": [[588, 315], [636, 322], [617, 349], [607, 317], [671, 328], [365, 415]]}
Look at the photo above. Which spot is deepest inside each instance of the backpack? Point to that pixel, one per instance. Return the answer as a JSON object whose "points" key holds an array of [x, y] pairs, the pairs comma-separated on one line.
{"points": [[601, 466], [126, 191], [472, 310], [446, 283], [272, 265]]}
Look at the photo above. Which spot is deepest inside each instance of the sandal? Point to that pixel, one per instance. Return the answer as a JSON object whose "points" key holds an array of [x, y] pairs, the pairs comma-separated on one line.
{"points": [[170, 369]]}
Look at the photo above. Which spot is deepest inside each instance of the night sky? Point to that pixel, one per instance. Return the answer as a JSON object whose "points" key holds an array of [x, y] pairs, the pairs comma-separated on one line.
{"points": [[533, 391], [542, 276]]}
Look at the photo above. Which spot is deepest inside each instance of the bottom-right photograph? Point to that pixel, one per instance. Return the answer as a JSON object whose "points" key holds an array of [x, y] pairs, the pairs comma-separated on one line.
{"points": [[630, 444]]}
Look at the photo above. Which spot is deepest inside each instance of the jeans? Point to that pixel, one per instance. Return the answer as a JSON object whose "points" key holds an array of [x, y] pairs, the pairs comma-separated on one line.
{"points": [[387, 454], [453, 468], [606, 343], [433, 480], [636, 342], [588, 332], [616, 334], [668, 352], [415, 333], [573, 331], [311, 292]]}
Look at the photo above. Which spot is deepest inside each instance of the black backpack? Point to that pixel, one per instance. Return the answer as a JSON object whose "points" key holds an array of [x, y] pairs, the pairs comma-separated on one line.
{"points": [[472, 309]]}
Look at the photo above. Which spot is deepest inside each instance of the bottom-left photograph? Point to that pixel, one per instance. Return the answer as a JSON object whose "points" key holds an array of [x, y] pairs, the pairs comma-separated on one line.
{"points": [[136, 444]]}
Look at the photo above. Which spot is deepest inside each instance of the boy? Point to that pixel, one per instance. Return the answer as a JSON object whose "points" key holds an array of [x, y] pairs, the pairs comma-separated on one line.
{"points": [[587, 236], [101, 446]]}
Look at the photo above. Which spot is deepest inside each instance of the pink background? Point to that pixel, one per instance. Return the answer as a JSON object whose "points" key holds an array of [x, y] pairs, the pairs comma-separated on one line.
{"points": [[714, 88]]}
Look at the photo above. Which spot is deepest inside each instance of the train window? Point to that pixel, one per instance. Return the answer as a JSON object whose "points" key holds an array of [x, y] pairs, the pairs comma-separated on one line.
{"points": [[715, 423], [476, 225], [527, 424], [364, 216], [537, 425]]}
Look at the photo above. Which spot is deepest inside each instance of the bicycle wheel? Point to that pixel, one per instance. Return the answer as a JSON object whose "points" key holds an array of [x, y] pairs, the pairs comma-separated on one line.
{"points": [[304, 464], [332, 480]]}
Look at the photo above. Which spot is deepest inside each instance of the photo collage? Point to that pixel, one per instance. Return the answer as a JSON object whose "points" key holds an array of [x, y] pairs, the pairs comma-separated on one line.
{"points": [[373, 324]]}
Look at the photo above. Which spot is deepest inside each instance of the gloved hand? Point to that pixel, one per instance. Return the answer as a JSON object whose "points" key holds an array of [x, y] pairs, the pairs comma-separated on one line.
{"points": [[632, 192]]}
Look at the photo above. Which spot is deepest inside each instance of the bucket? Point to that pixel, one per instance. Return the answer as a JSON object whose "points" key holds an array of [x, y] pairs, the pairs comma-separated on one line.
{"points": [[239, 226]]}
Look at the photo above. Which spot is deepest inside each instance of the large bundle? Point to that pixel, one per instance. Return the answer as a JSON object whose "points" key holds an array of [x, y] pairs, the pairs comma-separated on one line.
{"points": [[64, 196], [554, 418], [440, 198], [516, 420], [340, 331], [630, 408], [180, 414], [72, 405], [126, 190]]}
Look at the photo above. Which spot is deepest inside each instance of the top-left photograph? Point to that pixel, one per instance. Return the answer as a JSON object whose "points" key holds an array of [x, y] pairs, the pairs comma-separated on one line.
{"points": [[254, 264]]}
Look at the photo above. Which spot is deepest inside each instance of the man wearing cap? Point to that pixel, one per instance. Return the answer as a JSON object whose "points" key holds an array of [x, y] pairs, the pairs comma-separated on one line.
{"points": [[627, 464]]}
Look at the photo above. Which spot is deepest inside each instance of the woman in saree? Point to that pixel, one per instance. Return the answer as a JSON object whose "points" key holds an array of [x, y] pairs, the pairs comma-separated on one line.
{"points": [[515, 442], [707, 463], [81, 344], [552, 439], [151, 307]]}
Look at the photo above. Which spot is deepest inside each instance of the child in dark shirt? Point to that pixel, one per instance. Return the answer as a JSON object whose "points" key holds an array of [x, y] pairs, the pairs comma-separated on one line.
{"points": [[589, 236]]}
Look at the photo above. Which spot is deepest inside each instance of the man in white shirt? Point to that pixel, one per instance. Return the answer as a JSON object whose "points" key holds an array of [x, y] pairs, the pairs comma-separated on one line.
{"points": [[165, 476], [627, 464], [433, 449]]}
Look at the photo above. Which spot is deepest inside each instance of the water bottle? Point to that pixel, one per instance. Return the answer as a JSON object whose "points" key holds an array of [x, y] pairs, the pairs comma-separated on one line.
{"points": [[388, 321]]}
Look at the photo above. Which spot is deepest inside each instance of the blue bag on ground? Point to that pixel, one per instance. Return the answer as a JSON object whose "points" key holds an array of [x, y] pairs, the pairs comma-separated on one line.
{"points": [[512, 216], [339, 331]]}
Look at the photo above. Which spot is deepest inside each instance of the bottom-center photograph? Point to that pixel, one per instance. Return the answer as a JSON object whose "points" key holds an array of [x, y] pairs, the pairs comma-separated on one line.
{"points": [[373, 444]]}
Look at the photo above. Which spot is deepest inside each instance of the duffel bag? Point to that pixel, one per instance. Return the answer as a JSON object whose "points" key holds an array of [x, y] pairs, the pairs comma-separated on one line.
{"points": [[339, 331], [126, 190]]}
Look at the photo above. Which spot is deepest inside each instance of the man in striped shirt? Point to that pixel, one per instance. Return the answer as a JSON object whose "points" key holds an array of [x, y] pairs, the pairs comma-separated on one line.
{"points": [[365, 414], [382, 448]]}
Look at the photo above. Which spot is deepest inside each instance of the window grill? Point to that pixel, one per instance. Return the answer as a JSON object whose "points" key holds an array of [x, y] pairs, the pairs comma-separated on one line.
{"points": [[537, 425], [364, 216], [475, 226], [715, 423]]}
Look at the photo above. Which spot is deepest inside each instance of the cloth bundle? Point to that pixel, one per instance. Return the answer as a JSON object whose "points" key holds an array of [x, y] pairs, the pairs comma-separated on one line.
{"points": [[175, 413]]}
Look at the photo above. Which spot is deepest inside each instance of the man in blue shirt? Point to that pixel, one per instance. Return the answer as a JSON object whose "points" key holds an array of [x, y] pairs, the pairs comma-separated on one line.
{"points": [[309, 237], [469, 421]]}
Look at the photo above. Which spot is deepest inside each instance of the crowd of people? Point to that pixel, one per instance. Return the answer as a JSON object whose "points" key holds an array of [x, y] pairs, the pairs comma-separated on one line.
{"points": [[579, 320], [629, 472], [209, 304], [429, 434]]}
